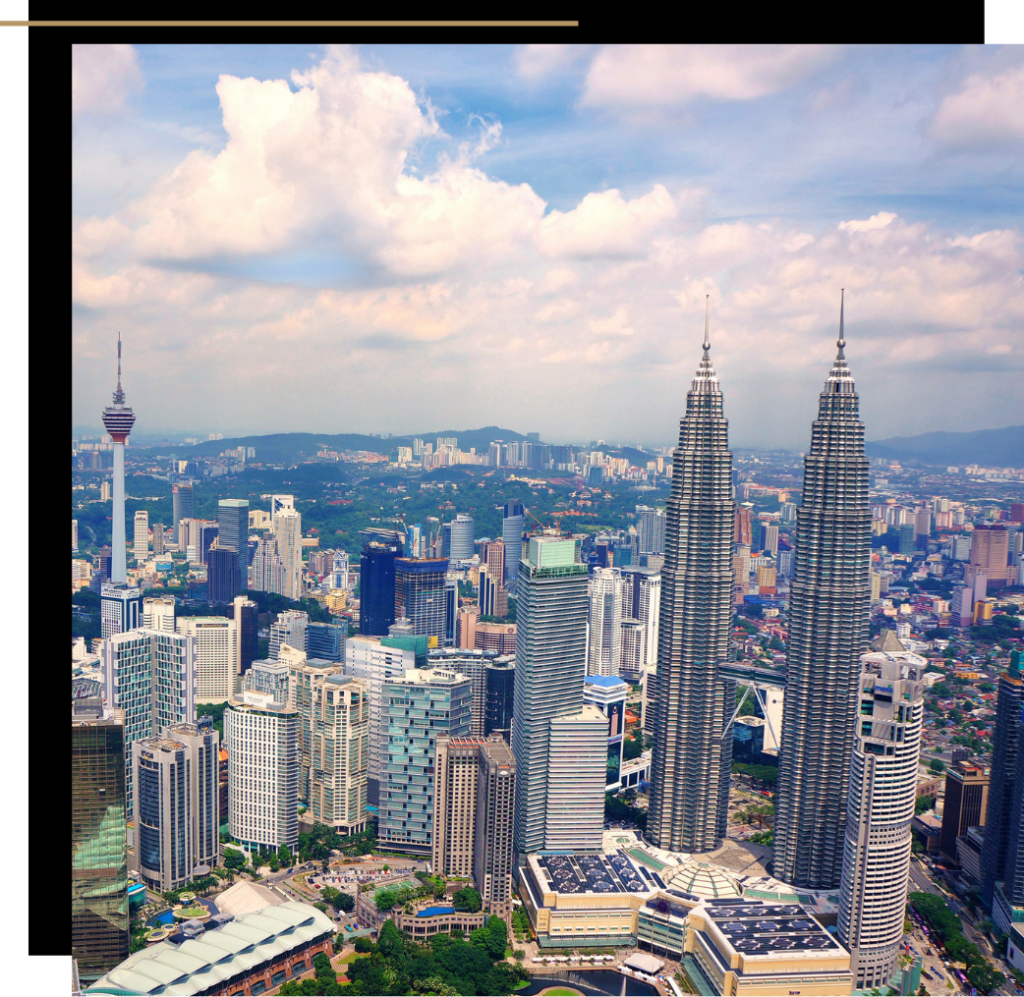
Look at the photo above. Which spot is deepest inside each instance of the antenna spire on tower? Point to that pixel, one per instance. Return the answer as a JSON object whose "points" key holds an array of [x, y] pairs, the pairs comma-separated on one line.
{"points": [[842, 337], [707, 320]]}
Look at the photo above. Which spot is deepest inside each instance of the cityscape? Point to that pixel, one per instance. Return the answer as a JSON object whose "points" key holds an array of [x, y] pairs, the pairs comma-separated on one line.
{"points": [[490, 711]]}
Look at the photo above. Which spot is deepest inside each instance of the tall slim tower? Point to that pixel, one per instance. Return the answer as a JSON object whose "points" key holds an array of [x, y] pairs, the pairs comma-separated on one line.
{"points": [[118, 420], [692, 750], [829, 606]]}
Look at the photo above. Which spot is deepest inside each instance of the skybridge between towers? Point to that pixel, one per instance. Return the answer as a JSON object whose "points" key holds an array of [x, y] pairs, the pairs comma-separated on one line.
{"points": [[769, 690]]}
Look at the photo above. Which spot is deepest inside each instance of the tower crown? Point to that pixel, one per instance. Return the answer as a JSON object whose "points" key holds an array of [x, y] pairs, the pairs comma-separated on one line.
{"points": [[840, 378], [706, 380], [118, 419]]}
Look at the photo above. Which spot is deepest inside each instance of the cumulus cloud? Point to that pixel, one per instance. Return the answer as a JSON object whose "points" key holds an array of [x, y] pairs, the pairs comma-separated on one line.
{"points": [[103, 79], [987, 112], [881, 220], [671, 75]]}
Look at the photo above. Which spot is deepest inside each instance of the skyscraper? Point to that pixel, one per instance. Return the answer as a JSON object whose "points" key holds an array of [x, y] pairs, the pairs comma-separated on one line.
{"points": [[233, 535], [459, 534], [551, 656], [880, 807], [604, 649], [267, 567], [182, 506], [965, 806], [118, 420], [158, 538], [500, 692], [512, 536], [650, 528], [326, 640], [99, 843], [377, 587], [216, 656], [420, 595], [830, 597], [247, 622], [1005, 746], [140, 536], [120, 608], [692, 757], [288, 530], [222, 574], [641, 601]]}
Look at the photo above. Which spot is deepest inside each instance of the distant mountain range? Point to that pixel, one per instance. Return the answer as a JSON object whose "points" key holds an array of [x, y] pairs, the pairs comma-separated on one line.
{"points": [[987, 447], [281, 448]]}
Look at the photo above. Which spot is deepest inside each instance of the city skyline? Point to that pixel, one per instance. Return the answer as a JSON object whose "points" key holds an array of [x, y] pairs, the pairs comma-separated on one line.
{"points": [[575, 281]]}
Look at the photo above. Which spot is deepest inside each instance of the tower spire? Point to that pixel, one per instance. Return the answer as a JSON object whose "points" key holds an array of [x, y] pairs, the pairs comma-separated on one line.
{"points": [[707, 324], [119, 392], [842, 336]]}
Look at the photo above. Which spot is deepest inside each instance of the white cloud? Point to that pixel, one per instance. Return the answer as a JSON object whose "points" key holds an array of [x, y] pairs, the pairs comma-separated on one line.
{"points": [[671, 75], [987, 112], [614, 325], [881, 220], [103, 79]]}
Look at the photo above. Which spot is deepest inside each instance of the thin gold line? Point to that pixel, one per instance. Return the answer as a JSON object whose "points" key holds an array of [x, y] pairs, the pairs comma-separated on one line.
{"points": [[289, 24]]}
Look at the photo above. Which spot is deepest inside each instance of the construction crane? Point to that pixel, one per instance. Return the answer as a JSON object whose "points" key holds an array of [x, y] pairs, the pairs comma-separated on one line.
{"points": [[556, 518]]}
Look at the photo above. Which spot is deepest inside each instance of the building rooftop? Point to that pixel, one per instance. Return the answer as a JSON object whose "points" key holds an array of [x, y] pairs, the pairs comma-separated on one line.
{"points": [[704, 880], [609, 681], [757, 928]]}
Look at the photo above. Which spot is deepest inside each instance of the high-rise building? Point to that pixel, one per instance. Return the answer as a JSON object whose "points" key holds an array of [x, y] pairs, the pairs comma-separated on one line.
{"points": [[105, 491], [326, 640], [880, 808], [743, 529], [418, 707], [99, 844], [641, 601], [150, 677], [829, 608], [650, 528], [493, 596], [473, 806], [271, 678], [631, 648], [922, 523], [691, 763], [182, 506], [334, 742], [288, 530], [770, 538], [1008, 897], [118, 420], [247, 622], [233, 534], [222, 575], [512, 524], [377, 587], [216, 655], [420, 595], [289, 628], [999, 819], [263, 771], [608, 693], [965, 806], [339, 571], [473, 664], [158, 613], [990, 552], [267, 567], [158, 538], [74, 536], [377, 663], [907, 538], [120, 608], [551, 656], [140, 546], [176, 816], [500, 680], [459, 538], [604, 644], [492, 556]]}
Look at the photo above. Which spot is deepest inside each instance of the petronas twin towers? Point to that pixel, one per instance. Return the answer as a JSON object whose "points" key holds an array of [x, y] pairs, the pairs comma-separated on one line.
{"points": [[828, 620]]}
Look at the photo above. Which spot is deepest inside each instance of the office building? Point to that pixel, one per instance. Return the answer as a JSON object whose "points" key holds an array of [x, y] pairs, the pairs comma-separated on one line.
{"points": [[222, 575], [120, 608], [216, 656], [473, 806], [326, 640], [118, 420], [631, 649], [339, 571], [271, 678], [880, 808], [641, 601], [246, 615], [451, 609], [999, 814], [370, 659], [492, 557], [289, 628], [99, 844], [770, 538], [377, 587], [829, 609], [473, 664], [74, 536], [420, 595], [263, 771], [280, 503], [182, 506], [1008, 896], [922, 523], [500, 680], [691, 763], [458, 538], [233, 534], [965, 806], [608, 693], [604, 643], [267, 566], [288, 530], [650, 529], [176, 815], [158, 614], [140, 547], [334, 742], [151, 677], [551, 656], [512, 524], [743, 527], [417, 707], [493, 595], [990, 553], [158, 538]]}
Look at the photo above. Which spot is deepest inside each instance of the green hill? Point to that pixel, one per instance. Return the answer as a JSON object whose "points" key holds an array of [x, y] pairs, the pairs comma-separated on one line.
{"points": [[987, 447]]}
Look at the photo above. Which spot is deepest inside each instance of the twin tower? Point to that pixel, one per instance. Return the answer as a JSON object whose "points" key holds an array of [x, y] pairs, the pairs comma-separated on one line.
{"points": [[828, 627]]}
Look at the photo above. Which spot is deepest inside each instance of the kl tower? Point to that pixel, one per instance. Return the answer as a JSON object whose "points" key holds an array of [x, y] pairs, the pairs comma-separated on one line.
{"points": [[120, 604]]}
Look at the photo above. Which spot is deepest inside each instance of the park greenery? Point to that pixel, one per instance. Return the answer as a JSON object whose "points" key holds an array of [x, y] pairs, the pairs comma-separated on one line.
{"points": [[948, 930], [616, 809], [764, 775]]}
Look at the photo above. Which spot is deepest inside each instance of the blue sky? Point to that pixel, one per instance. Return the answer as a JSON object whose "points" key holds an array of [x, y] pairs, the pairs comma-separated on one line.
{"points": [[399, 238]]}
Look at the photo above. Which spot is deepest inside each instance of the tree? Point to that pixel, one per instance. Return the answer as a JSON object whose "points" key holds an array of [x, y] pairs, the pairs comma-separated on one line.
{"points": [[390, 943], [234, 859], [497, 937], [363, 944], [386, 899], [936, 766], [467, 899], [284, 856], [330, 895], [631, 748], [345, 902]]}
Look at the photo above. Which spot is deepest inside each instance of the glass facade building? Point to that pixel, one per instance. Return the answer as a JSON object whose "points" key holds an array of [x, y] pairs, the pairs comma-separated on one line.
{"points": [[377, 587], [420, 595]]}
